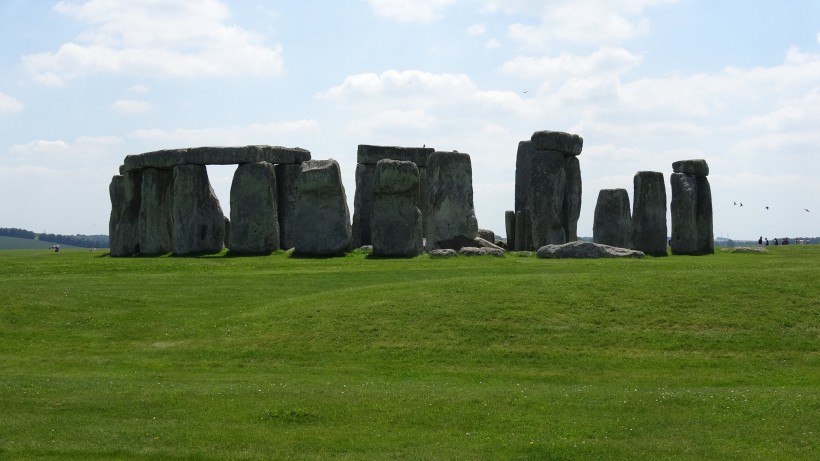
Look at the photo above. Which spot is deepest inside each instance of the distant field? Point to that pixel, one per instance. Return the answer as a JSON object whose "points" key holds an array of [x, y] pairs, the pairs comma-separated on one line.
{"points": [[14, 243], [213, 358]]}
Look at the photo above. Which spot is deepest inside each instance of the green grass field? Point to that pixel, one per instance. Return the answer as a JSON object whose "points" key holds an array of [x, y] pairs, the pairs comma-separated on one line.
{"points": [[684, 358], [14, 243]]}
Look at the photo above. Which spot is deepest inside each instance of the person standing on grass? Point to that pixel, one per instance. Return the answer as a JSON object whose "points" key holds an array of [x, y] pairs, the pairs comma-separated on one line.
{"points": [[760, 240]]}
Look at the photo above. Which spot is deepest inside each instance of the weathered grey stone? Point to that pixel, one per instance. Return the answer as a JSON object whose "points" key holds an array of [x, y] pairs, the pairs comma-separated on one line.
{"points": [[473, 251], [749, 250], [565, 143], [703, 216], [521, 235], [287, 176], [363, 204], [684, 211], [254, 216], [123, 223], [487, 235], [572, 197], [170, 158], [612, 224], [545, 199], [322, 221], [155, 212], [396, 227], [585, 250], [449, 199], [696, 167], [649, 231], [199, 224], [443, 253], [509, 223], [484, 243], [367, 154]]}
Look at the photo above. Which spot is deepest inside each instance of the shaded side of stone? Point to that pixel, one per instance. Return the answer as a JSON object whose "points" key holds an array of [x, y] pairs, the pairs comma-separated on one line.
{"points": [[369, 154], [703, 216], [199, 224], [560, 141], [396, 224], [156, 225], [545, 199], [322, 223], [509, 224], [684, 210], [612, 223], [649, 231], [572, 197], [123, 224], [451, 213], [363, 204], [287, 176], [254, 216]]}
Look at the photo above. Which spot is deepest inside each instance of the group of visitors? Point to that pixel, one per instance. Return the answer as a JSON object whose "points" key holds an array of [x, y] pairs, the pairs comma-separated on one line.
{"points": [[784, 241]]}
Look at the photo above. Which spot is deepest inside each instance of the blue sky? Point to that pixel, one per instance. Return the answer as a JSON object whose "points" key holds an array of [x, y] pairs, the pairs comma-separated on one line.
{"points": [[644, 82]]}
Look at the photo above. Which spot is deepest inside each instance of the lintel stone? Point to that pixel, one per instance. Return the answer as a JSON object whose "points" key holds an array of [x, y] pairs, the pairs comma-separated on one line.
{"points": [[169, 158]]}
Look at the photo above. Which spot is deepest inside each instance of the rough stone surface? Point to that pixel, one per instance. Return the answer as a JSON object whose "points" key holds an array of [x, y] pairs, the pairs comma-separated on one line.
{"points": [[749, 250], [684, 211], [395, 223], [473, 251], [545, 199], [199, 224], [322, 221], [368, 154], [649, 231], [521, 235], [254, 216], [167, 159], [696, 167], [565, 143], [451, 213], [123, 224], [484, 243], [572, 198], [703, 216], [509, 224], [363, 204], [487, 234], [443, 253], [585, 250], [155, 212], [287, 176], [612, 224]]}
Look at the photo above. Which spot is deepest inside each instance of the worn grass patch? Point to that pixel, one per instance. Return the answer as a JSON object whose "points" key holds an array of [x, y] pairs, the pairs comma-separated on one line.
{"points": [[714, 357]]}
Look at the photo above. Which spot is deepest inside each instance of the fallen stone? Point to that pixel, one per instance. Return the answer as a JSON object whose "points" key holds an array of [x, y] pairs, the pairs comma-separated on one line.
{"points": [[612, 224], [487, 234], [484, 243], [443, 253], [749, 250], [473, 251], [322, 222], [585, 250], [697, 167]]}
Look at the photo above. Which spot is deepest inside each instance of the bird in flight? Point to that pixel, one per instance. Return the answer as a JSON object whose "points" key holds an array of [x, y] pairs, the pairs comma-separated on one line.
{"points": [[741, 203], [767, 208], [807, 210], [526, 91]]}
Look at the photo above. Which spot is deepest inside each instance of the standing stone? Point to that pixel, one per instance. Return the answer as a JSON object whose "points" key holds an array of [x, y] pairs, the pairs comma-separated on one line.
{"points": [[395, 221], [155, 212], [254, 217], [199, 224], [572, 197], [703, 216], [613, 223], [287, 176], [683, 207], [123, 224], [451, 221], [322, 221], [545, 199], [367, 158], [692, 222], [509, 224], [521, 236], [649, 232]]}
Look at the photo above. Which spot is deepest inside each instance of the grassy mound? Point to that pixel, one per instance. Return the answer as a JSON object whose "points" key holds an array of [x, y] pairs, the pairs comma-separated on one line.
{"points": [[714, 357]]}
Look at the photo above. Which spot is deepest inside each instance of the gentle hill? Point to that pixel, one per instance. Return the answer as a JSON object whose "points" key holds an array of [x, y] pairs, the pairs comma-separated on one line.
{"points": [[16, 243]]}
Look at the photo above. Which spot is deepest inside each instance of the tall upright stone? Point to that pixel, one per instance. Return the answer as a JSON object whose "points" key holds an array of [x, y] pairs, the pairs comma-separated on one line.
{"points": [[254, 219], [322, 220], [367, 158], [509, 224], [692, 222], [613, 222], [155, 212], [451, 221], [649, 231], [123, 223], [548, 188], [199, 224], [395, 222], [287, 176]]}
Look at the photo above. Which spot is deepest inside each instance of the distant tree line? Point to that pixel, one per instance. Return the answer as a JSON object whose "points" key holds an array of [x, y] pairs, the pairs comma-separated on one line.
{"points": [[83, 241]]}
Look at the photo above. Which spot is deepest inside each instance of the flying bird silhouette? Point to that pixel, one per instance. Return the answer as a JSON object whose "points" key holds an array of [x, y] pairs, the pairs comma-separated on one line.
{"points": [[807, 210], [741, 203], [734, 203], [767, 208]]}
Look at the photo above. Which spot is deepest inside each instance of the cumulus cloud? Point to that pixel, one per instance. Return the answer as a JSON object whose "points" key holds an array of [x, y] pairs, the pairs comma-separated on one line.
{"points": [[140, 89], [410, 10], [144, 37], [477, 29], [603, 61], [9, 104], [256, 133], [131, 106]]}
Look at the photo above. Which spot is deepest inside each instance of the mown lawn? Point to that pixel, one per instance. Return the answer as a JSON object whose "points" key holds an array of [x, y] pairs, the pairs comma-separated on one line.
{"points": [[714, 357]]}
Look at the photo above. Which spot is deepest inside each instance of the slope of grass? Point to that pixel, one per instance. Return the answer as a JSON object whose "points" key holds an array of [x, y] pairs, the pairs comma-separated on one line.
{"points": [[15, 243], [352, 358]]}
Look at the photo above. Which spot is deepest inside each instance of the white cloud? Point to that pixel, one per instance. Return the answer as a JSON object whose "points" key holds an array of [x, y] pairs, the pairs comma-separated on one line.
{"points": [[144, 37], [410, 10], [140, 89], [131, 106], [477, 29], [257, 133], [9, 104], [492, 44], [604, 61]]}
